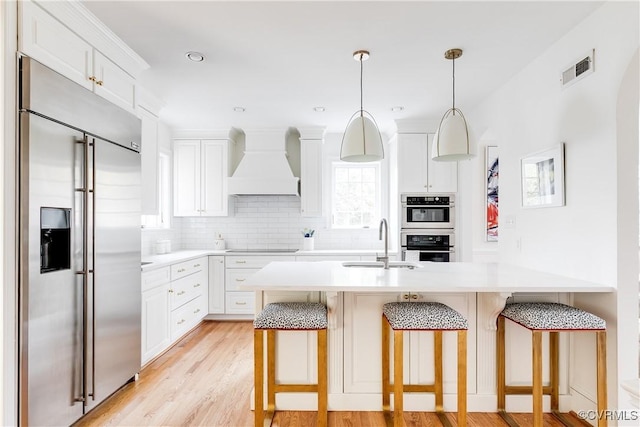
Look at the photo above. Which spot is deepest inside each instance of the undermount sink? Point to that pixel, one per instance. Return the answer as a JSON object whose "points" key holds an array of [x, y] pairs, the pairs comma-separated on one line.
{"points": [[145, 262], [380, 264]]}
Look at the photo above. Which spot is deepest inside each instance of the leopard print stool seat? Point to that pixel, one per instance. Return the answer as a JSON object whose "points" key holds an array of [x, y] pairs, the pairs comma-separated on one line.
{"points": [[282, 317], [553, 318], [421, 316], [292, 315]]}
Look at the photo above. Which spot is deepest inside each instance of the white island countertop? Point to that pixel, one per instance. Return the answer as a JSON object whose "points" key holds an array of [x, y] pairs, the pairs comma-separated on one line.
{"points": [[332, 276]]}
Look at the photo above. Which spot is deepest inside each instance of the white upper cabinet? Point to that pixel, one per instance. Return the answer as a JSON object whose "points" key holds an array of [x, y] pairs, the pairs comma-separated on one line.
{"points": [[417, 173], [311, 141], [46, 36], [149, 162], [113, 83], [200, 171]]}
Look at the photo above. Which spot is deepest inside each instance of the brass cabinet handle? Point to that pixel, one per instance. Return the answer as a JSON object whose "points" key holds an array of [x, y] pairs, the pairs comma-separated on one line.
{"points": [[405, 296], [197, 285], [181, 322], [180, 270], [241, 303], [92, 78], [99, 82], [240, 280], [170, 291], [197, 311], [241, 262], [414, 296], [180, 293], [196, 265]]}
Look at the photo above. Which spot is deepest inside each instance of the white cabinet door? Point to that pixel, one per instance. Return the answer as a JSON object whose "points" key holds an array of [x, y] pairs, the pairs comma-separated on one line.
{"points": [[417, 173], [113, 83], [442, 177], [149, 161], [311, 179], [412, 163], [155, 322], [214, 170], [200, 170], [363, 340], [45, 39], [216, 285], [186, 178]]}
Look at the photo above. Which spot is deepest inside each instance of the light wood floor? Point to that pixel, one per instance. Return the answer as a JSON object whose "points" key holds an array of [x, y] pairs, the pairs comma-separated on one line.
{"points": [[206, 380]]}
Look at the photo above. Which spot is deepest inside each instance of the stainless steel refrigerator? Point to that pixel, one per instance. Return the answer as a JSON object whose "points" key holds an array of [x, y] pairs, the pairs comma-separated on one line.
{"points": [[79, 225]]}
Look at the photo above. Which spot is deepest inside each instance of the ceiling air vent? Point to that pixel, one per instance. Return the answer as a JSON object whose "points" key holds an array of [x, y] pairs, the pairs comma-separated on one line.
{"points": [[578, 70]]}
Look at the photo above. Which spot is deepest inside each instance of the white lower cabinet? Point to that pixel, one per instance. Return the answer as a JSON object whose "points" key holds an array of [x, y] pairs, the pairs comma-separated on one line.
{"points": [[155, 313], [362, 342], [238, 269], [189, 295], [216, 285], [174, 300]]}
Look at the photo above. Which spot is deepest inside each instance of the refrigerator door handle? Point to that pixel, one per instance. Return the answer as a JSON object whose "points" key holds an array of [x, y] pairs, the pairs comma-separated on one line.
{"points": [[92, 190]]}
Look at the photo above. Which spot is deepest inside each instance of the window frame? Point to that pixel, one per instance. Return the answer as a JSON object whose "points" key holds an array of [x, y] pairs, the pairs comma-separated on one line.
{"points": [[378, 211]]}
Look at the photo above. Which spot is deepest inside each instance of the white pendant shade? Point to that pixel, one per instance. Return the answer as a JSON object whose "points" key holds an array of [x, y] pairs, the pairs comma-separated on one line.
{"points": [[361, 141], [451, 142]]}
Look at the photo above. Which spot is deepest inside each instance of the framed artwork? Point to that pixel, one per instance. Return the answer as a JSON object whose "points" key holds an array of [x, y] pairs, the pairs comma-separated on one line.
{"points": [[492, 171], [543, 178]]}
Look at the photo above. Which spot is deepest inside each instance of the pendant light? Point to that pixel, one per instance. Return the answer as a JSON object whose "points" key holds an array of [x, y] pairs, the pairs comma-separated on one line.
{"points": [[451, 142], [361, 141]]}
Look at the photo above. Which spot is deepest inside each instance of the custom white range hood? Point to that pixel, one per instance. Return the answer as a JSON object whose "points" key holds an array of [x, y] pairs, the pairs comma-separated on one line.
{"points": [[264, 169]]}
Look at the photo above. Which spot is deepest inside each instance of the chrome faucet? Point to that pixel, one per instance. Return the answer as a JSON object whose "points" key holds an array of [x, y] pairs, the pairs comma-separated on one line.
{"points": [[385, 258]]}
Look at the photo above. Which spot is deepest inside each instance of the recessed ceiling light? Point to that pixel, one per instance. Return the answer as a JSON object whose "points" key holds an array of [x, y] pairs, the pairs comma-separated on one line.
{"points": [[239, 109], [319, 109], [194, 56], [397, 108]]}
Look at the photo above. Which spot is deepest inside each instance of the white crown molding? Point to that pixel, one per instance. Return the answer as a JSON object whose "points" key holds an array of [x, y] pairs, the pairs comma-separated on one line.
{"points": [[312, 133], [85, 24], [225, 133]]}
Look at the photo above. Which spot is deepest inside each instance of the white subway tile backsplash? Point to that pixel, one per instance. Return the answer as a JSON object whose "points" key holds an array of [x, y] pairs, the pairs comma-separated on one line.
{"points": [[260, 222]]}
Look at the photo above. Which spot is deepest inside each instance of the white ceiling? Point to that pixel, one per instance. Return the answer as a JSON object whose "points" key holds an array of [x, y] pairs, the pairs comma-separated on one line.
{"points": [[279, 60]]}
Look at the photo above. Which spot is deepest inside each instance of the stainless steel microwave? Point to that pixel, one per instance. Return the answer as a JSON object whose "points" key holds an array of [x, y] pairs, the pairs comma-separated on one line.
{"points": [[427, 210]]}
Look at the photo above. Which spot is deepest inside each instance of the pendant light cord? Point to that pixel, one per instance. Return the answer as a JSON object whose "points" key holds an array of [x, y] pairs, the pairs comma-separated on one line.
{"points": [[361, 72], [454, 84]]}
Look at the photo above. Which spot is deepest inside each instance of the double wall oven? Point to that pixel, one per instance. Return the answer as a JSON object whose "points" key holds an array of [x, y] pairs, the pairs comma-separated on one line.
{"points": [[427, 230]]}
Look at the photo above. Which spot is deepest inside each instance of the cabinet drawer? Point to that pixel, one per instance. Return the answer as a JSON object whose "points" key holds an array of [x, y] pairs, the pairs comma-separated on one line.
{"points": [[154, 278], [187, 267], [258, 261], [186, 317], [187, 288], [236, 277], [240, 302]]}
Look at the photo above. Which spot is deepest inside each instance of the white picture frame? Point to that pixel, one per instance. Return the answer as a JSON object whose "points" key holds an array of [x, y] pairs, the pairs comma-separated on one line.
{"points": [[542, 176]]}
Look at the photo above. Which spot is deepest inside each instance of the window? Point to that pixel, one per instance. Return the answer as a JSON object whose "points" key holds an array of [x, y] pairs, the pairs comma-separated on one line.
{"points": [[162, 220], [355, 195]]}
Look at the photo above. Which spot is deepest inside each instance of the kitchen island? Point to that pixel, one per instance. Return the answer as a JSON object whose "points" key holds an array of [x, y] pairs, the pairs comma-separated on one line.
{"points": [[354, 297]]}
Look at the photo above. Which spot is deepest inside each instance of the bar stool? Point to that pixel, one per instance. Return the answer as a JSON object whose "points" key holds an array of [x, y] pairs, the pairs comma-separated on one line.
{"points": [[288, 316], [421, 316], [552, 318]]}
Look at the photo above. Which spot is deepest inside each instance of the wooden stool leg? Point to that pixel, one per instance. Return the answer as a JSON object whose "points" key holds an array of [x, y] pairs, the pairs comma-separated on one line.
{"points": [[398, 382], [258, 371], [462, 378], [322, 378], [537, 378], [601, 357], [437, 358], [501, 368], [386, 406], [554, 369], [271, 375]]}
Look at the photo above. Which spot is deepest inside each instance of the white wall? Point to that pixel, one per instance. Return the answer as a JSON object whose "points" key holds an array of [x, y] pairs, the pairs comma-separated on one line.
{"points": [[588, 237]]}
